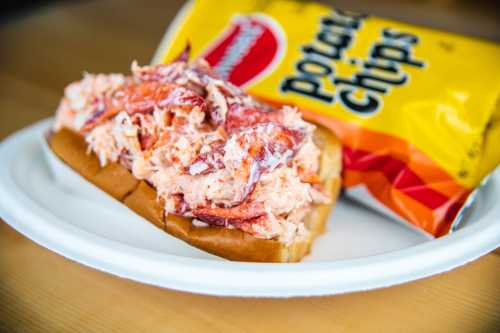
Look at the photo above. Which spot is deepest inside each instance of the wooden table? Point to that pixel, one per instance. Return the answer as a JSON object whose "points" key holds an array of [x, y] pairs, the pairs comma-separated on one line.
{"points": [[43, 50]]}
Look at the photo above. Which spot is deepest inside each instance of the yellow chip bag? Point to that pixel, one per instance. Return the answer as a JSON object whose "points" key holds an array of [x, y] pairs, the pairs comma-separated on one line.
{"points": [[416, 109]]}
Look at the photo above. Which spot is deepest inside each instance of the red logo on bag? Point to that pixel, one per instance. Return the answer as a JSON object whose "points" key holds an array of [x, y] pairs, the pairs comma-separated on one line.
{"points": [[247, 50]]}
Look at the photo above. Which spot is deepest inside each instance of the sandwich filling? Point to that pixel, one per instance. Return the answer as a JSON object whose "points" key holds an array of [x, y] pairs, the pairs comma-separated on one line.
{"points": [[213, 153]]}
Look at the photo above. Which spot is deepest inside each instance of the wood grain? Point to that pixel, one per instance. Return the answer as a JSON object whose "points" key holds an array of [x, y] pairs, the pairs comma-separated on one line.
{"points": [[40, 291]]}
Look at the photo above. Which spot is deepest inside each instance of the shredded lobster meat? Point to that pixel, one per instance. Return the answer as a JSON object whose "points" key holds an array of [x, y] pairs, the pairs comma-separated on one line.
{"points": [[211, 151], [225, 216]]}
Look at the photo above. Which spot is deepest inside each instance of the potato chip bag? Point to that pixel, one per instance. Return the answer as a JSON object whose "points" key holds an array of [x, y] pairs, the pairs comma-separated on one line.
{"points": [[416, 109]]}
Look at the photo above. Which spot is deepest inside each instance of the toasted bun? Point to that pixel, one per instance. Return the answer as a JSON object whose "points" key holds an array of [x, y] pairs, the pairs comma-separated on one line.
{"points": [[231, 244]]}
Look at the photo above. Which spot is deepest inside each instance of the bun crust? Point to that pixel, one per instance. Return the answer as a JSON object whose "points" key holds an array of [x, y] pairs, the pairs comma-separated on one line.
{"points": [[232, 244]]}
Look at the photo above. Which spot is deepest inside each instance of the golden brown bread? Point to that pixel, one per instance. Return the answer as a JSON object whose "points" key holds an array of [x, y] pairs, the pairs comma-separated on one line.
{"points": [[232, 244]]}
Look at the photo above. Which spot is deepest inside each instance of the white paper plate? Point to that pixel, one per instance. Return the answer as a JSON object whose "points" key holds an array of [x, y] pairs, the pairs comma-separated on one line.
{"points": [[361, 250]]}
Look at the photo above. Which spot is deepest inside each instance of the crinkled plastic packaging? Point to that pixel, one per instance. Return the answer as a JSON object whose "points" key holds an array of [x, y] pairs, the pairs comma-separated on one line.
{"points": [[416, 109]]}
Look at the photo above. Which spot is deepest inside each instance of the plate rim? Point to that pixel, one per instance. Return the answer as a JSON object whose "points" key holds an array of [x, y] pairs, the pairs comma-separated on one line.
{"points": [[226, 278]]}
